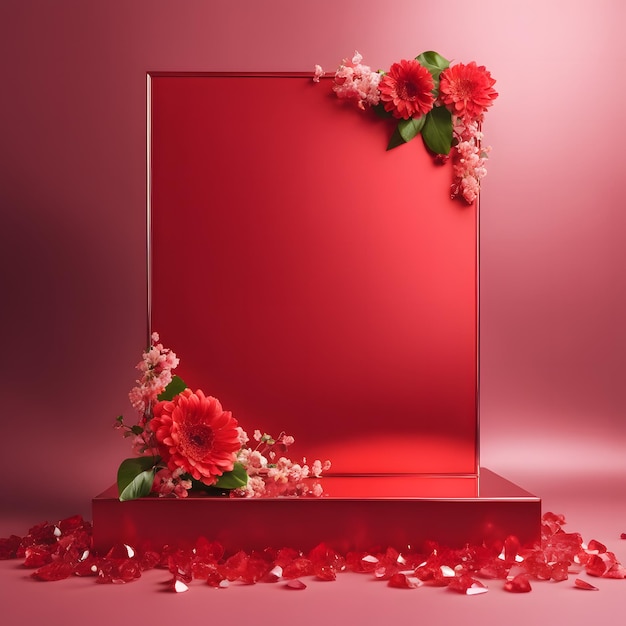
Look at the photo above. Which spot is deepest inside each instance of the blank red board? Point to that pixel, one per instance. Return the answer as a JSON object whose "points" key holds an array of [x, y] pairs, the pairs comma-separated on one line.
{"points": [[314, 282]]}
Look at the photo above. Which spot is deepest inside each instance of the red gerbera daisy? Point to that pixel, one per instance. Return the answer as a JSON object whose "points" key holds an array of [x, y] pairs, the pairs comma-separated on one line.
{"points": [[467, 90], [195, 434], [406, 90]]}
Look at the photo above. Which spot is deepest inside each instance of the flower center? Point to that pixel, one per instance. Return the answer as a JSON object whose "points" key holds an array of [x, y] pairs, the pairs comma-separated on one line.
{"points": [[465, 89], [408, 91], [197, 441]]}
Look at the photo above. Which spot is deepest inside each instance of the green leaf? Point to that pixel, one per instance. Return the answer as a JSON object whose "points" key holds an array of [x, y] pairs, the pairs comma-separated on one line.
{"points": [[396, 139], [405, 131], [437, 131], [139, 487], [176, 385], [237, 477], [135, 476], [410, 128], [434, 63], [380, 110]]}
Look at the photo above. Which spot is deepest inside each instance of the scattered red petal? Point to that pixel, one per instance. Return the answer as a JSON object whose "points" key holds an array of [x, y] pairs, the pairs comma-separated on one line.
{"points": [[9, 547], [120, 551], [61, 550], [559, 571], [257, 568], [215, 579], [235, 566], [324, 557], [554, 518], [402, 581], [149, 559], [583, 584], [88, 566], [467, 585], [300, 566], [596, 546], [325, 572], [596, 566], [37, 556], [71, 523], [284, 556], [273, 575], [515, 571], [511, 548], [178, 586], [615, 571], [361, 562], [118, 571], [537, 568], [493, 570], [622, 536], [128, 571], [208, 550], [552, 523], [295, 584], [519, 584], [43, 533], [57, 570]]}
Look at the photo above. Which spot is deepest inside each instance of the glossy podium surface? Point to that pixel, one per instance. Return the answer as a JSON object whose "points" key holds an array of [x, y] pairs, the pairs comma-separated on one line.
{"points": [[357, 513]]}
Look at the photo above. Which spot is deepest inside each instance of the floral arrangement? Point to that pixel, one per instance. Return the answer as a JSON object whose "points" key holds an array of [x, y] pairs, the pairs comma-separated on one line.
{"points": [[443, 103], [185, 440]]}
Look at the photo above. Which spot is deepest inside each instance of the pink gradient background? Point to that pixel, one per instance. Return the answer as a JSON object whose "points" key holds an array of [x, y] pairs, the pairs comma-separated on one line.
{"points": [[553, 266]]}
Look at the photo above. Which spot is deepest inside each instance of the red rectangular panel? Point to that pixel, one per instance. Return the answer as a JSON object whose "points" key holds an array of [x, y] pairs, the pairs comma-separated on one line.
{"points": [[311, 280]]}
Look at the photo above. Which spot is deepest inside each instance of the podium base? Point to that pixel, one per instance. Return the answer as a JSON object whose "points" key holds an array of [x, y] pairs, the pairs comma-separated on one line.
{"points": [[358, 513]]}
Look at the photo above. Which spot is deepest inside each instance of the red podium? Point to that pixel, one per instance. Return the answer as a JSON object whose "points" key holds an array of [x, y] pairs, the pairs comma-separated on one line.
{"points": [[319, 285]]}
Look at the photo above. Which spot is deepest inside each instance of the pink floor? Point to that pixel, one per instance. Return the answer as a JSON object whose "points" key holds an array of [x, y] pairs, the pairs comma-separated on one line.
{"points": [[592, 502]]}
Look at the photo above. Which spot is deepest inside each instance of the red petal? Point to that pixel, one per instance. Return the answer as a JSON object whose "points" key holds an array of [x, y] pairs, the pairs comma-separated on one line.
{"points": [[583, 584], [295, 584], [520, 584]]}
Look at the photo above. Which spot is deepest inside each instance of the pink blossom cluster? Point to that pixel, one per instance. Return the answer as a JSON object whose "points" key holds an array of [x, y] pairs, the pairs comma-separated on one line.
{"points": [[193, 440], [318, 73], [168, 483], [156, 367], [469, 160], [272, 475], [357, 82]]}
